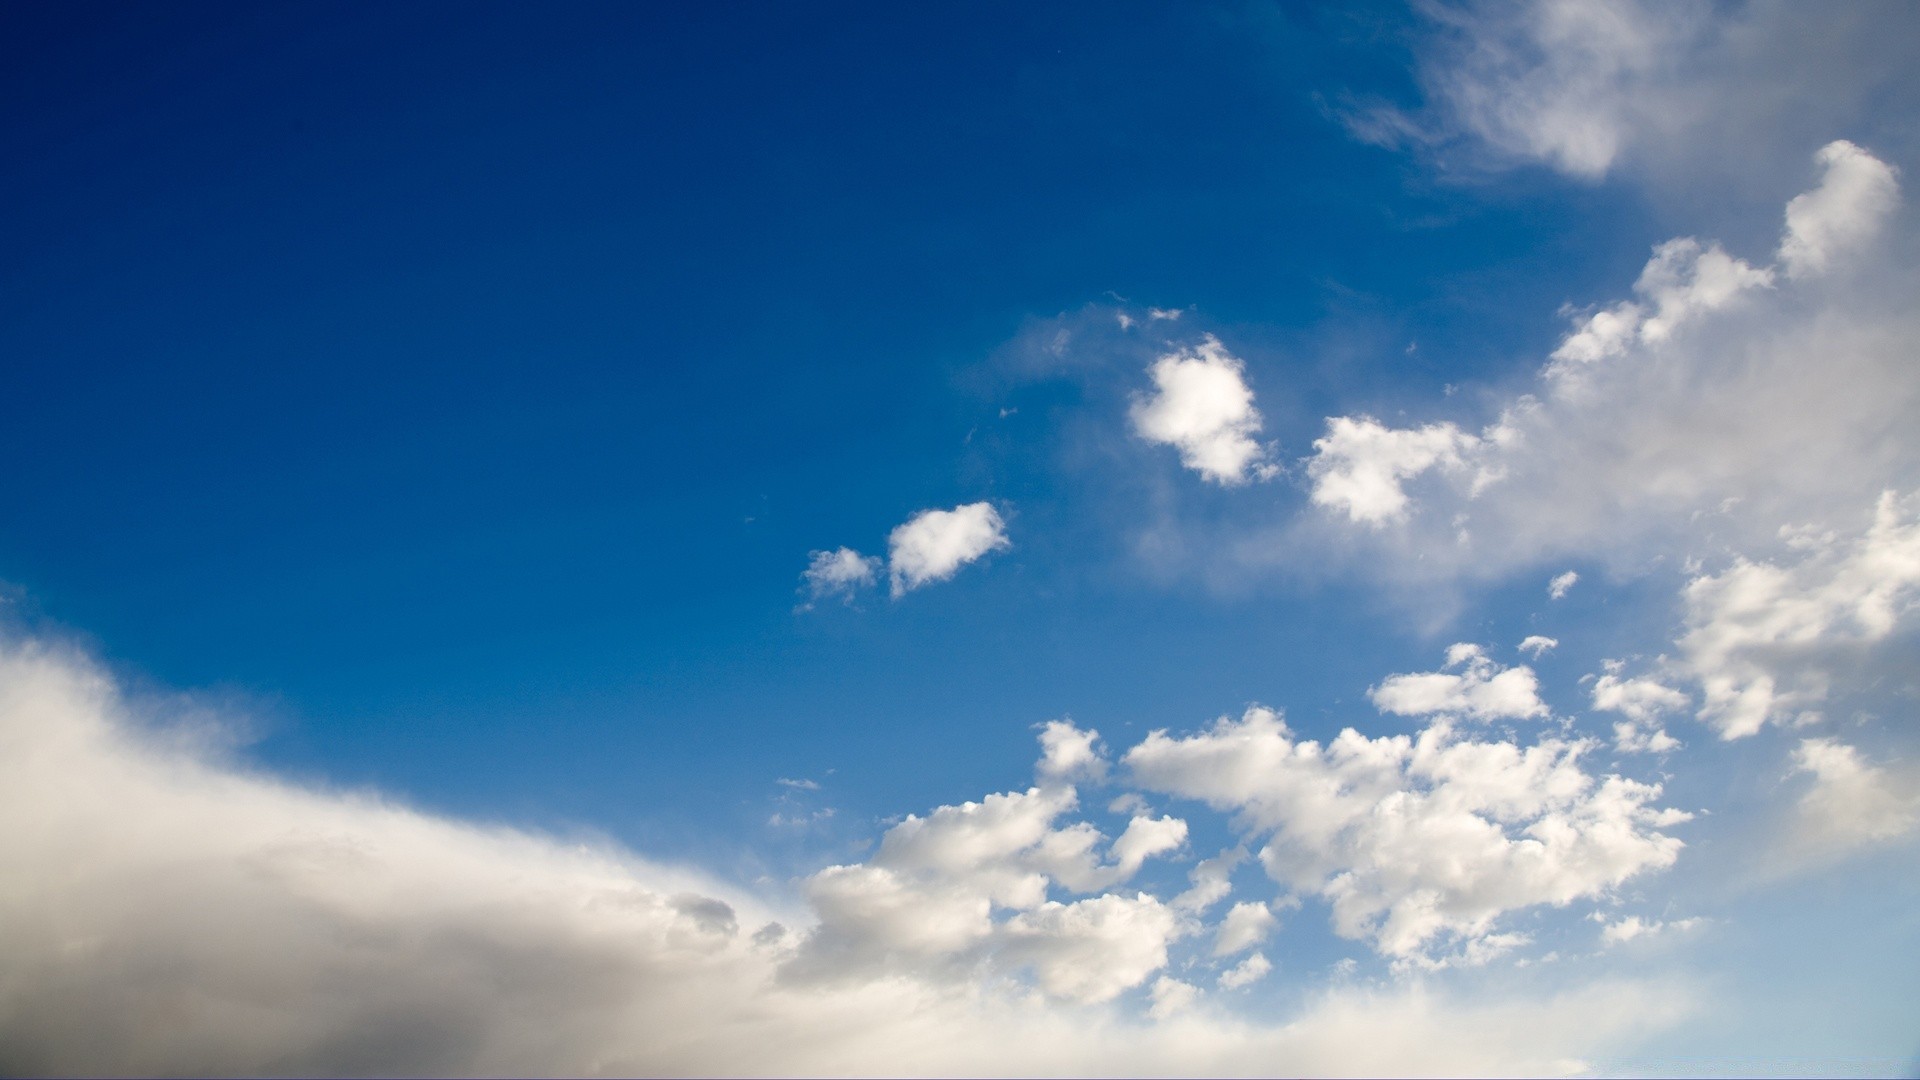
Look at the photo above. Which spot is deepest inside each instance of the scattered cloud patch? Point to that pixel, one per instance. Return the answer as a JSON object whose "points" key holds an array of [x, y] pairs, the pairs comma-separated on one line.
{"points": [[1415, 841], [934, 544], [1635, 928], [1857, 193], [1853, 803], [842, 572], [1762, 636], [1246, 924], [1480, 690], [1643, 701], [1561, 585], [1358, 466], [1202, 406], [1537, 645], [1247, 972]]}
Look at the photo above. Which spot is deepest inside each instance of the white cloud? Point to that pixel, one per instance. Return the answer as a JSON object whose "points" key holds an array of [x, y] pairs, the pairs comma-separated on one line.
{"points": [[1415, 841], [1643, 701], [1092, 950], [1685, 420], [1683, 96], [1247, 972], [1068, 752], [1202, 406], [934, 897], [1482, 690], [1561, 585], [1857, 192], [842, 572], [1212, 881], [934, 544], [1537, 645], [1634, 928], [1852, 803], [278, 929], [1246, 924], [1556, 82], [1762, 637], [1359, 464], [1171, 997]]}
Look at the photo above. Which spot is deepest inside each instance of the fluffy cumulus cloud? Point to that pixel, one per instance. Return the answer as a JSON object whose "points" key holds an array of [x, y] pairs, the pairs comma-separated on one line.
{"points": [[1643, 702], [1479, 689], [842, 572], [278, 929], [1690, 417], [1416, 842], [1587, 87], [1851, 802], [968, 888], [1202, 406], [934, 544], [1763, 638], [1359, 464]]}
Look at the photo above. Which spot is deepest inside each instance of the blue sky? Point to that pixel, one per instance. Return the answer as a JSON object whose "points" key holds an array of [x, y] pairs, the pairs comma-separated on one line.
{"points": [[489, 481]]}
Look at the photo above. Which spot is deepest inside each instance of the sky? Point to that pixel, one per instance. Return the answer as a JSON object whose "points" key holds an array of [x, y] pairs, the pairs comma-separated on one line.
{"points": [[1220, 538]]}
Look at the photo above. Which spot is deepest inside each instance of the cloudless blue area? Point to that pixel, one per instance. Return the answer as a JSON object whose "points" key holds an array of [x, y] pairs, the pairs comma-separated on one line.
{"points": [[467, 384]]}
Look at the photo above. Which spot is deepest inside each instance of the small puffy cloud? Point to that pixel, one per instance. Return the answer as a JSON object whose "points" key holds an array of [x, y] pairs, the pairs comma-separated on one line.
{"points": [[1687, 418], [1202, 406], [1246, 924], [1537, 645], [1761, 636], [281, 929], [1211, 881], [1852, 802], [1562, 584], [1069, 753], [1171, 997], [1246, 972], [1417, 841], [1095, 949], [1482, 689], [1359, 465], [842, 572], [1635, 928], [1643, 701], [969, 884], [1856, 194], [934, 544], [1682, 281]]}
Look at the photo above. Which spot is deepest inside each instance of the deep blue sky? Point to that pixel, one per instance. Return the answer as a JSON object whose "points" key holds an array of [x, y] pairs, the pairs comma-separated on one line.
{"points": [[469, 382]]}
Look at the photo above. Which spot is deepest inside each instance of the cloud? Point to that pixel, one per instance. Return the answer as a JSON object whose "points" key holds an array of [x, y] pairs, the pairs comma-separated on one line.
{"points": [[1202, 406], [1537, 645], [1069, 753], [1414, 841], [1689, 418], [1857, 192], [278, 929], [1643, 702], [1852, 803], [1762, 637], [968, 886], [1561, 585], [1688, 96], [1358, 465], [1562, 82], [1247, 924], [934, 544], [1634, 928], [842, 572], [1247, 972], [1482, 690]]}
